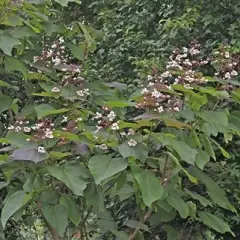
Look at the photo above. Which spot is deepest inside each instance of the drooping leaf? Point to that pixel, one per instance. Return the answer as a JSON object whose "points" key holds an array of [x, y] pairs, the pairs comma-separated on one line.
{"points": [[74, 213], [178, 203], [56, 215], [73, 176], [205, 202], [103, 167], [202, 158], [149, 184], [207, 146], [216, 193], [214, 222], [13, 204], [94, 196]]}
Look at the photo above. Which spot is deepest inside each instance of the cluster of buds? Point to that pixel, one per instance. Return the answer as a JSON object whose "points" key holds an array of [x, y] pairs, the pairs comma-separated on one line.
{"points": [[106, 119], [182, 69]]}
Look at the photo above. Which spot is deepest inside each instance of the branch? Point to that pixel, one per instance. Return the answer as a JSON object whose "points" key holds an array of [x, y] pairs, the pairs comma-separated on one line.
{"points": [[145, 218]]}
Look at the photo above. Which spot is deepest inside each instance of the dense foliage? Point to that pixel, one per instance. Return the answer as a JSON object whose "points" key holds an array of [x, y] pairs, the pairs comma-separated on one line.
{"points": [[119, 119]]}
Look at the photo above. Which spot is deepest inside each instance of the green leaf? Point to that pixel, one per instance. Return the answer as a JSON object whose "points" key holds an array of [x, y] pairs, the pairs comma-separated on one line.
{"points": [[89, 40], [119, 104], [13, 204], [94, 196], [73, 176], [7, 42], [103, 167], [214, 222], [77, 51], [7, 85], [223, 151], [5, 103], [202, 158], [140, 151], [44, 110], [20, 140], [216, 193], [27, 154], [64, 3], [207, 146], [136, 224], [13, 64], [74, 213], [185, 152], [205, 202], [197, 101], [172, 233], [50, 196], [217, 119], [56, 215], [149, 184], [178, 203], [59, 155]]}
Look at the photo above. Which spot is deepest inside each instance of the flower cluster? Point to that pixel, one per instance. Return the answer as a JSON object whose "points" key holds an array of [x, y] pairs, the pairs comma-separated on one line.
{"points": [[227, 65], [182, 69], [20, 125], [53, 55], [106, 119]]}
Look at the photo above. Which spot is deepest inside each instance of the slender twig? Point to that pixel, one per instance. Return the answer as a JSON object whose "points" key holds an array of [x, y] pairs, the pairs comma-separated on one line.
{"points": [[145, 218]]}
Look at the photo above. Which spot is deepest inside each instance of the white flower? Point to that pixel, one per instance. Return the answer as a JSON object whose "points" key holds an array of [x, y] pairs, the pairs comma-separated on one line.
{"points": [[56, 61], [61, 40], [176, 109], [115, 126], [227, 75], [216, 52], [156, 94], [149, 77], [86, 91], [49, 53], [111, 116], [41, 149], [185, 50], [227, 55], [98, 115], [123, 134], [145, 90], [166, 74], [11, 127], [54, 45], [103, 146], [234, 73], [18, 128], [49, 134], [80, 93], [65, 119], [26, 129], [55, 89], [132, 143], [150, 84], [98, 128], [131, 131], [187, 86], [194, 51], [35, 59], [79, 119], [62, 47], [160, 109], [64, 69]]}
